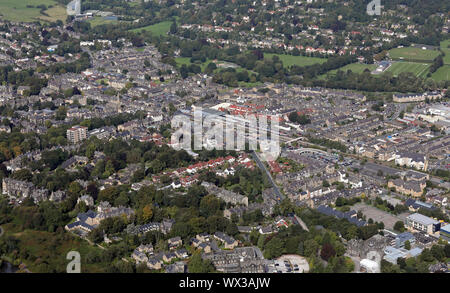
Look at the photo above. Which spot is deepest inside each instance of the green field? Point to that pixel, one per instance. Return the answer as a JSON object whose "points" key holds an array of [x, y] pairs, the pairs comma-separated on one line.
{"points": [[289, 60], [354, 67], [443, 73], [17, 10], [445, 48], [160, 28], [413, 54], [187, 60], [419, 69], [95, 21]]}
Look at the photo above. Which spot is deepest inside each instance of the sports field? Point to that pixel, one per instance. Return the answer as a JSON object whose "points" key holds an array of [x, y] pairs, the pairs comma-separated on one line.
{"points": [[354, 67], [27, 10], [419, 69], [443, 73], [160, 28], [413, 54], [446, 49], [95, 21], [289, 60]]}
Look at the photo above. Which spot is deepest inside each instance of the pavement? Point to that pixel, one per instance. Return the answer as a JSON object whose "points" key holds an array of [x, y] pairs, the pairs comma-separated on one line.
{"points": [[378, 215]]}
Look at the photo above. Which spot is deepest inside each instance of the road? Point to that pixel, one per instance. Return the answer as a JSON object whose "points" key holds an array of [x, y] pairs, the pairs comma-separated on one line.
{"points": [[300, 221], [263, 168]]}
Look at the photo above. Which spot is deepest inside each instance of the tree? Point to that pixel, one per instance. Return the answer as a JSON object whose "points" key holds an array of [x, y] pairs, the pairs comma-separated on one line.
{"points": [[173, 27], [197, 265], [147, 213], [92, 190], [310, 247], [96, 235], [273, 248], [407, 245], [399, 226], [327, 251]]}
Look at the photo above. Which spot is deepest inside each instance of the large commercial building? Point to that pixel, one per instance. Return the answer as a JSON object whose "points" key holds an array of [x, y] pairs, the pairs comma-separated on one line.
{"points": [[76, 134], [422, 223]]}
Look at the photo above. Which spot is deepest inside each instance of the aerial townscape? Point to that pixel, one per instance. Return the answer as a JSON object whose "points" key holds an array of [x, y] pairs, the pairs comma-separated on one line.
{"points": [[93, 162]]}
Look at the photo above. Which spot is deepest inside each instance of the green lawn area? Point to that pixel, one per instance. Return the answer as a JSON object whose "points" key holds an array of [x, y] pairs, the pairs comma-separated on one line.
{"points": [[354, 67], [95, 21], [413, 54], [160, 28], [187, 60], [289, 60], [445, 48], [443, 73], [17, 10], [419, 69]]}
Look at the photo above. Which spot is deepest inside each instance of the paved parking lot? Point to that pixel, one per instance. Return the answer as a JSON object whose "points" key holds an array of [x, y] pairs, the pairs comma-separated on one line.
{"points": [[378, 215], [292, 263]]}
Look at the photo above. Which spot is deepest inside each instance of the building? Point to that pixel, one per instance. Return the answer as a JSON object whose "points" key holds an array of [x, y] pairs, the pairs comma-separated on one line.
{"points": [[74, 7], [228, 241], [413, 160], [392, 253], [422, 223], [76, 134], [369, 266], [401, 238], [407, 98], [411, 187], [175, 242], [445, 233]]}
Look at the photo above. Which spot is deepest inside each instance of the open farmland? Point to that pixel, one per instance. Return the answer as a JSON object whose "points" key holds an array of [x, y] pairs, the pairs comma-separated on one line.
{"points": [[28, 10], [419, 69], [413, 54]]}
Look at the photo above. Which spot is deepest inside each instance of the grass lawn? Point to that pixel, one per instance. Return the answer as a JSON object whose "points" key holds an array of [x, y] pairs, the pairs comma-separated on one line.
{"points": [[187, 60], [98, 20], [414, 54], [55, 13], [289, 60], [443, 73], [419, 69], [354, 67], [17, 10], [160, 28], [446, 49]]}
